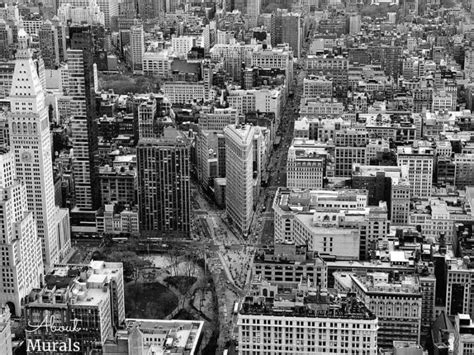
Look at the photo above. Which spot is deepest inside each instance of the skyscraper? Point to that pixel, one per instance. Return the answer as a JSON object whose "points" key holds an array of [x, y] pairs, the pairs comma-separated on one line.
{"points": [[253, 10], [84, 126], [5, 39], [110, 10], [22, 265], [137, 47], [239, 173], [287, 27], [30, 140], [52, 41], [164, 184]]}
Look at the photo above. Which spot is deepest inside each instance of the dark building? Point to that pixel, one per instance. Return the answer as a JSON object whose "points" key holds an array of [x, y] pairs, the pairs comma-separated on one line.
{"points": [[379, 188], [52, 42], [84, 124], [445, 171], [221, 155], [117, 185], [164, 185], [4, 44]]}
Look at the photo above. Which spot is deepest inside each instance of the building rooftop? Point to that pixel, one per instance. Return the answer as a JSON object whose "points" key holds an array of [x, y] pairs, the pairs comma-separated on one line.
{"points": [[308, 303], [381, 282], [85, 285], [177, 337], [396, 173], [307, 200]]}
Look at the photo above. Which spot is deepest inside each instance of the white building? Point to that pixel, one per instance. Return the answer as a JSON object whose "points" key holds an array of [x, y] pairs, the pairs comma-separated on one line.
{"points": [[157, 336], [317, 87], [289, 203], [443, 100], [463, 334], [92, 294], [396, 303], [89, 13], [469, 62], [306, 164], [239, 151], [22, 266], [420, 162], [30, 140], [280, 57], [311, 107], [212, 118], [305, 321], [253, 10], [182, 45], [137, 47], [110, 9], [263, 100], [180, 92], [157, 63]]}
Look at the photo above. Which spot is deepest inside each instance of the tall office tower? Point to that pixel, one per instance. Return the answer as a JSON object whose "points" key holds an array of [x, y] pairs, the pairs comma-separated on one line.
{"points": [[287, 27], [5, 40], [469, 61], [420, 162], [81, 88], [22, 266], [239, 174], [164, 185], [30, 140], [52, 41], [146, 119], [150, 112], [354, 23], [206, 71], [151, 9], [137, 47], [253, 10], [110, 10]]}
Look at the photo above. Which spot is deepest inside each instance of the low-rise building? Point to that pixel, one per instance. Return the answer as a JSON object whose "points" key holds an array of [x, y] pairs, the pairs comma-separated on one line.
{"points": [[306, 321], [307, 163], [397, 303], [86, 298], [286, 265], [463, 334], [181, 92], [315, 87], [156, 336], [117, 184]]}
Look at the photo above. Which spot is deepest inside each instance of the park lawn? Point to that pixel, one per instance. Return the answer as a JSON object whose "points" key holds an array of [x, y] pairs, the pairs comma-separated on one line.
{"points": [[148, 300]]}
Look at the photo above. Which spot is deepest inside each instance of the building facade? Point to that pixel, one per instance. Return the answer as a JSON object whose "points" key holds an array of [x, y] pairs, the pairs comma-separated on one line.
{"points": [[164, 185]]}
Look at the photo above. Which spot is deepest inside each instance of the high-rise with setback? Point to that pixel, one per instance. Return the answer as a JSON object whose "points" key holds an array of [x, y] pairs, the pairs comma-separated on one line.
{"points": [[30, 140], [22, 265]]}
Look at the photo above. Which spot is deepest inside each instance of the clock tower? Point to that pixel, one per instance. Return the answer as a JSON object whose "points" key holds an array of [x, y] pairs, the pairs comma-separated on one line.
{"points": [[30, 140]]}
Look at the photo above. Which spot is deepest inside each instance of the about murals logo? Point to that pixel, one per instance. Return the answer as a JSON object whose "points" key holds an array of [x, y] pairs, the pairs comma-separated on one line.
{"points": [[50, 327]]}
